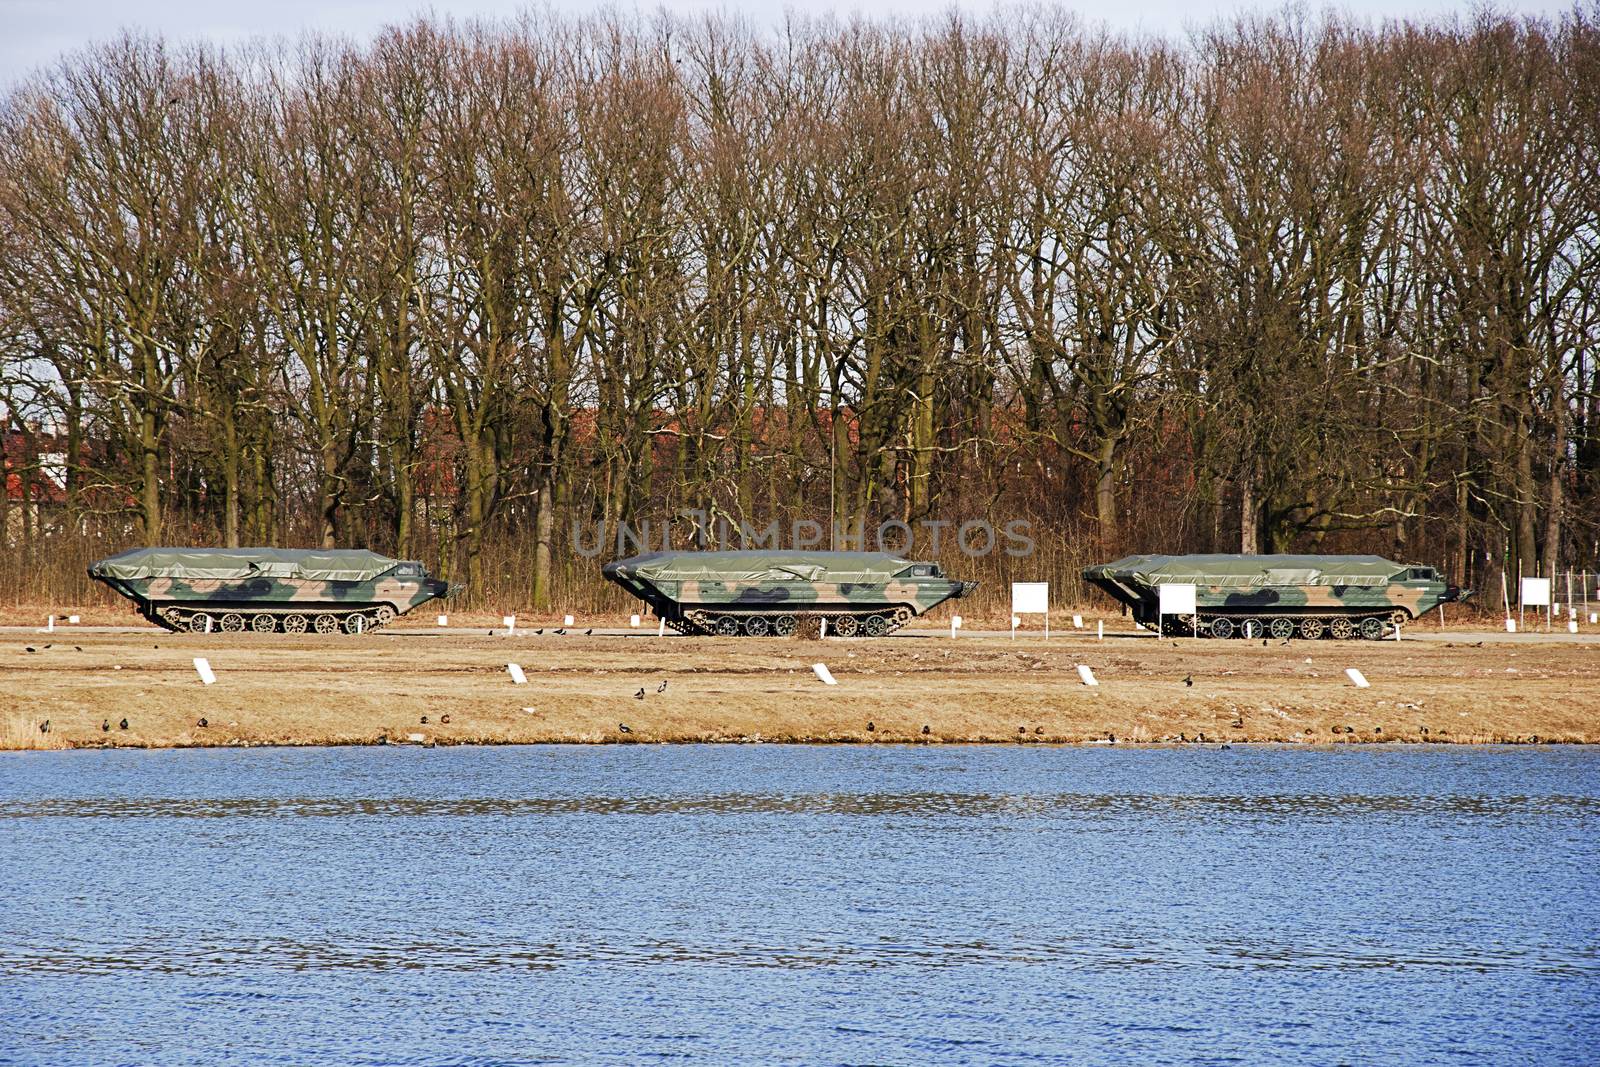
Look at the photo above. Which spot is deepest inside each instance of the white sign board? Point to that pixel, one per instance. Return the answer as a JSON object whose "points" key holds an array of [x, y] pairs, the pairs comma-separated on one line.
{"points": [[1030, 598], [1177, 599], [1535, 592]]}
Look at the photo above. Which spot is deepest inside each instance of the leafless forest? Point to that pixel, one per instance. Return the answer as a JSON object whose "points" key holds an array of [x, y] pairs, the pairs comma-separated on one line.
{"points": [[1290, 283]]}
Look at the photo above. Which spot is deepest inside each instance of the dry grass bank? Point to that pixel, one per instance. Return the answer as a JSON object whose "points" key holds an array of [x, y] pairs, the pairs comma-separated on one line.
{"points": [[299, 690]]}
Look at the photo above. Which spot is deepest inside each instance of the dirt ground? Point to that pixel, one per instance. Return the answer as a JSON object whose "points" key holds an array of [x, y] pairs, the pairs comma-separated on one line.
{"points": [[401, 688]]}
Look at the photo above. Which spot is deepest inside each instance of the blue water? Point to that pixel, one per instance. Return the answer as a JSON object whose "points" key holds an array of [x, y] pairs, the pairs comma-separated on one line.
{"points": [[767, 904]]}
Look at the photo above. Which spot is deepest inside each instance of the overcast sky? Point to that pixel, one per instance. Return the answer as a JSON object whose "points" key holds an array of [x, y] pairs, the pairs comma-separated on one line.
{"points": [[34, 32]]}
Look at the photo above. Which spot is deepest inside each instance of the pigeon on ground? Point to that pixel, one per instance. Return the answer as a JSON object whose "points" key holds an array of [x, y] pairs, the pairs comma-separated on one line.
{"points": [[123, 724], [44, 727], [622, 727], [202, 723], [589, 631], [105, 726], [1264, 642], [871, 726], [1022, 729], [424, 720], [1038, 729], [1188, 680], [49, 646], [662, 688], [77, 648], [640, 694], [32, 649], [925, 729], [444, 719]]}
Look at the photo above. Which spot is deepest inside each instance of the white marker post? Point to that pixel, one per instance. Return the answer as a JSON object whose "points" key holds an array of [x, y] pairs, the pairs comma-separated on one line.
{"points": [[1176, 598], [202, 667], [1077, 622], [517, 677], [633, 621], [566, 620], [510, 623], [1086, 676], [822, 673], [1534, 593], [444, 620], [661, 630], [955, 624], [1099, 629], [1357, 679], [1030, 598]]}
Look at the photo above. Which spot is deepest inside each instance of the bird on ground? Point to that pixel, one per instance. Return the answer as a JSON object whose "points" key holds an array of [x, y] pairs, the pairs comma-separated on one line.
{"points": [[49, 646], [589, 631], [444, 719], [32, 649], [1038, 729], [105, 726], [561, 632], [1227, 746], [662, 688], [77, 648], [1188, 680], [870, 726], [539, 632], [202, 723], [925, 729], [44, 727], [1112, 738], [123, 725], [640, 694], [424, 720], [622, 727], [1022, 729], [1264, 642]]}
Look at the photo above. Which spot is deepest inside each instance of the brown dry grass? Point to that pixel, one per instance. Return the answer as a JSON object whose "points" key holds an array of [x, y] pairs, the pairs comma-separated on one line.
{"points": [[286, 690]]}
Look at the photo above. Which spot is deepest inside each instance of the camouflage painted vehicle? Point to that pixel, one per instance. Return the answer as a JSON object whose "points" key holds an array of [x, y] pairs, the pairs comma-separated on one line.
{"points": [[780, 593], [268, 589], [1278, 596]]}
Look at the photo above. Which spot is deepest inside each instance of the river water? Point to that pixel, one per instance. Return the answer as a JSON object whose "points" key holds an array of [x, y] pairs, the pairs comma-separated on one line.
{"points": [[776, 904]]}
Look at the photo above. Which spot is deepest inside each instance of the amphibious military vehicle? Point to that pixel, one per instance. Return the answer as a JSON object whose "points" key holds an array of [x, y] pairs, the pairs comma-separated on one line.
{"points": [[1278, 596], [268, 589], [779, 593]]}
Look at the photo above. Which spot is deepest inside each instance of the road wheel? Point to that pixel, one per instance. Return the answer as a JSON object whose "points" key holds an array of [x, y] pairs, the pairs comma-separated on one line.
{"points": [[785, 625], [1251, 629], [357, 623], [1222, 629], [294, 624], [1372, 628], [201, 623], [877, 625], [383, 616], [233, 623], [757, 626], [1281, 628], [727, 626], [1342, 629], [263, 623], [1311, 629], [847, 626], [327, 624]]}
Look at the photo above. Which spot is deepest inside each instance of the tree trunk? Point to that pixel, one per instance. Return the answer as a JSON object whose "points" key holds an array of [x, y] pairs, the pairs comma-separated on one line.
{"points": [[1249, 512]]}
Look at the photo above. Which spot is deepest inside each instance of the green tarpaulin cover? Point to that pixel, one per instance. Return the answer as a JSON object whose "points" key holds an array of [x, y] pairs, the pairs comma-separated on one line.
{"points": [[1250, 571], [764, 566], [236, 564]]}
